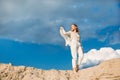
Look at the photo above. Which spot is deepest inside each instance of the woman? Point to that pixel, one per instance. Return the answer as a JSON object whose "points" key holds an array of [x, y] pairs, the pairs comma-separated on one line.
{"points": [[72, 39]]}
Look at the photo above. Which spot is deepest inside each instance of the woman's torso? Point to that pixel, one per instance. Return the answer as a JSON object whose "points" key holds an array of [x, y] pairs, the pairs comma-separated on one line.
{"points": [[74, 36]]}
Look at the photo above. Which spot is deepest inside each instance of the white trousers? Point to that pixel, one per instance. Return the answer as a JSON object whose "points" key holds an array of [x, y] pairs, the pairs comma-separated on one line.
{"points": [[76, 52]]}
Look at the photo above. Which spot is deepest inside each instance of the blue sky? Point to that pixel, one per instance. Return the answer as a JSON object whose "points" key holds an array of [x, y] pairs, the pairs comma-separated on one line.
{"points": [[29, 29]]}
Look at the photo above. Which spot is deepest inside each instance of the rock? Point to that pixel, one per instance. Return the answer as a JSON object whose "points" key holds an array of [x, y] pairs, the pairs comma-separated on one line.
{"points": [[107, 70]]}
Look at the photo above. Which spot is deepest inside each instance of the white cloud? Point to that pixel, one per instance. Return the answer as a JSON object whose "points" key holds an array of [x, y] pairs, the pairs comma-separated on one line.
{"points": [[118, 51], [94, 57]]}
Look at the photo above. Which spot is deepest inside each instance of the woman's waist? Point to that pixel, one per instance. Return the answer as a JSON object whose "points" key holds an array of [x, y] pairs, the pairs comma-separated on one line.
{"points": [[75, 42]]}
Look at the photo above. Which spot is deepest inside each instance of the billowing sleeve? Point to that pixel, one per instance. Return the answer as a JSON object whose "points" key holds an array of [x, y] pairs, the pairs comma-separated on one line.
{"points": [[62, 31], [65, 35]]}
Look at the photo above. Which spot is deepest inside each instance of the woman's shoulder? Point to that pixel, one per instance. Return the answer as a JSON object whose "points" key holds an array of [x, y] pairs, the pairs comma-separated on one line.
{"points": [[69, 32]]}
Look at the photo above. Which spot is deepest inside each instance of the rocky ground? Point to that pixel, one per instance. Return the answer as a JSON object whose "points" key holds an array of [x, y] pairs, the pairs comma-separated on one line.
{"points": [[108, 70]]}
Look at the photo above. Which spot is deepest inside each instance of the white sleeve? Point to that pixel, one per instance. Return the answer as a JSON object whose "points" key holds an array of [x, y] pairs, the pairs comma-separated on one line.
{"points": [[65, 35], [62, 31]]}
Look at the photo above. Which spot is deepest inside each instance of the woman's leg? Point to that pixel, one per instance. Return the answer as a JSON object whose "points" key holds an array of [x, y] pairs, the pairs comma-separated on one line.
{"points": [[80, 55], [74, 54]]}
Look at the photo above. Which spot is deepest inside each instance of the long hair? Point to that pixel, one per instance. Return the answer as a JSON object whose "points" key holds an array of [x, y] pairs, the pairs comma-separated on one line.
{"points": [[77, 29]]}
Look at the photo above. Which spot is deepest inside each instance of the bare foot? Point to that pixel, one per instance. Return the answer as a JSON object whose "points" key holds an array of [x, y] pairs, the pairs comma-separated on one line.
{"points": [[77, 68]]}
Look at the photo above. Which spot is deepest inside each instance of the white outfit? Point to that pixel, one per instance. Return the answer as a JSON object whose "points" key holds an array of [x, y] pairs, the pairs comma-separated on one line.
{"points": [[72, 39]]}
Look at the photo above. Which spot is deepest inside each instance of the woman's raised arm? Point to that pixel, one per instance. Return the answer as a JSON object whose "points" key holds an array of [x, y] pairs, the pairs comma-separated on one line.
{"points": [[62, 30]]}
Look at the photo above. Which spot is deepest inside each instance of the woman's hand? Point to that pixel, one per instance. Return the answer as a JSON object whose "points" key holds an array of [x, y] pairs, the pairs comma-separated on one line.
{"points": [[61, 28]]}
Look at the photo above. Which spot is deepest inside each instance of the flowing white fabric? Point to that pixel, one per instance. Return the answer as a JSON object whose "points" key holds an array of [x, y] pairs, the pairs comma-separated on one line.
{"points": [[65, 36]]}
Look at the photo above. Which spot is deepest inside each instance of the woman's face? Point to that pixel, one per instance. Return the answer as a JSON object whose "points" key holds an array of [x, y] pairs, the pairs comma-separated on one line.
{"points": [[73, 27]]}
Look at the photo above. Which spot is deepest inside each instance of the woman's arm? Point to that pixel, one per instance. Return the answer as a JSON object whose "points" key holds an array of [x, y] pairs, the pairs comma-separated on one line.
{"points": [[65, 35], [64, 32]]}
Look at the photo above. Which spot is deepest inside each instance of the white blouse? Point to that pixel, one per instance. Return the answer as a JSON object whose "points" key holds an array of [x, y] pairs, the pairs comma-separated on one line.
{"points": [[69, 36]]}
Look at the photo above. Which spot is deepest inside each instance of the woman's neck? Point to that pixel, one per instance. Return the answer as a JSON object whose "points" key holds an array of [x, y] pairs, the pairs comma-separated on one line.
{"points": [[74, 31]]}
